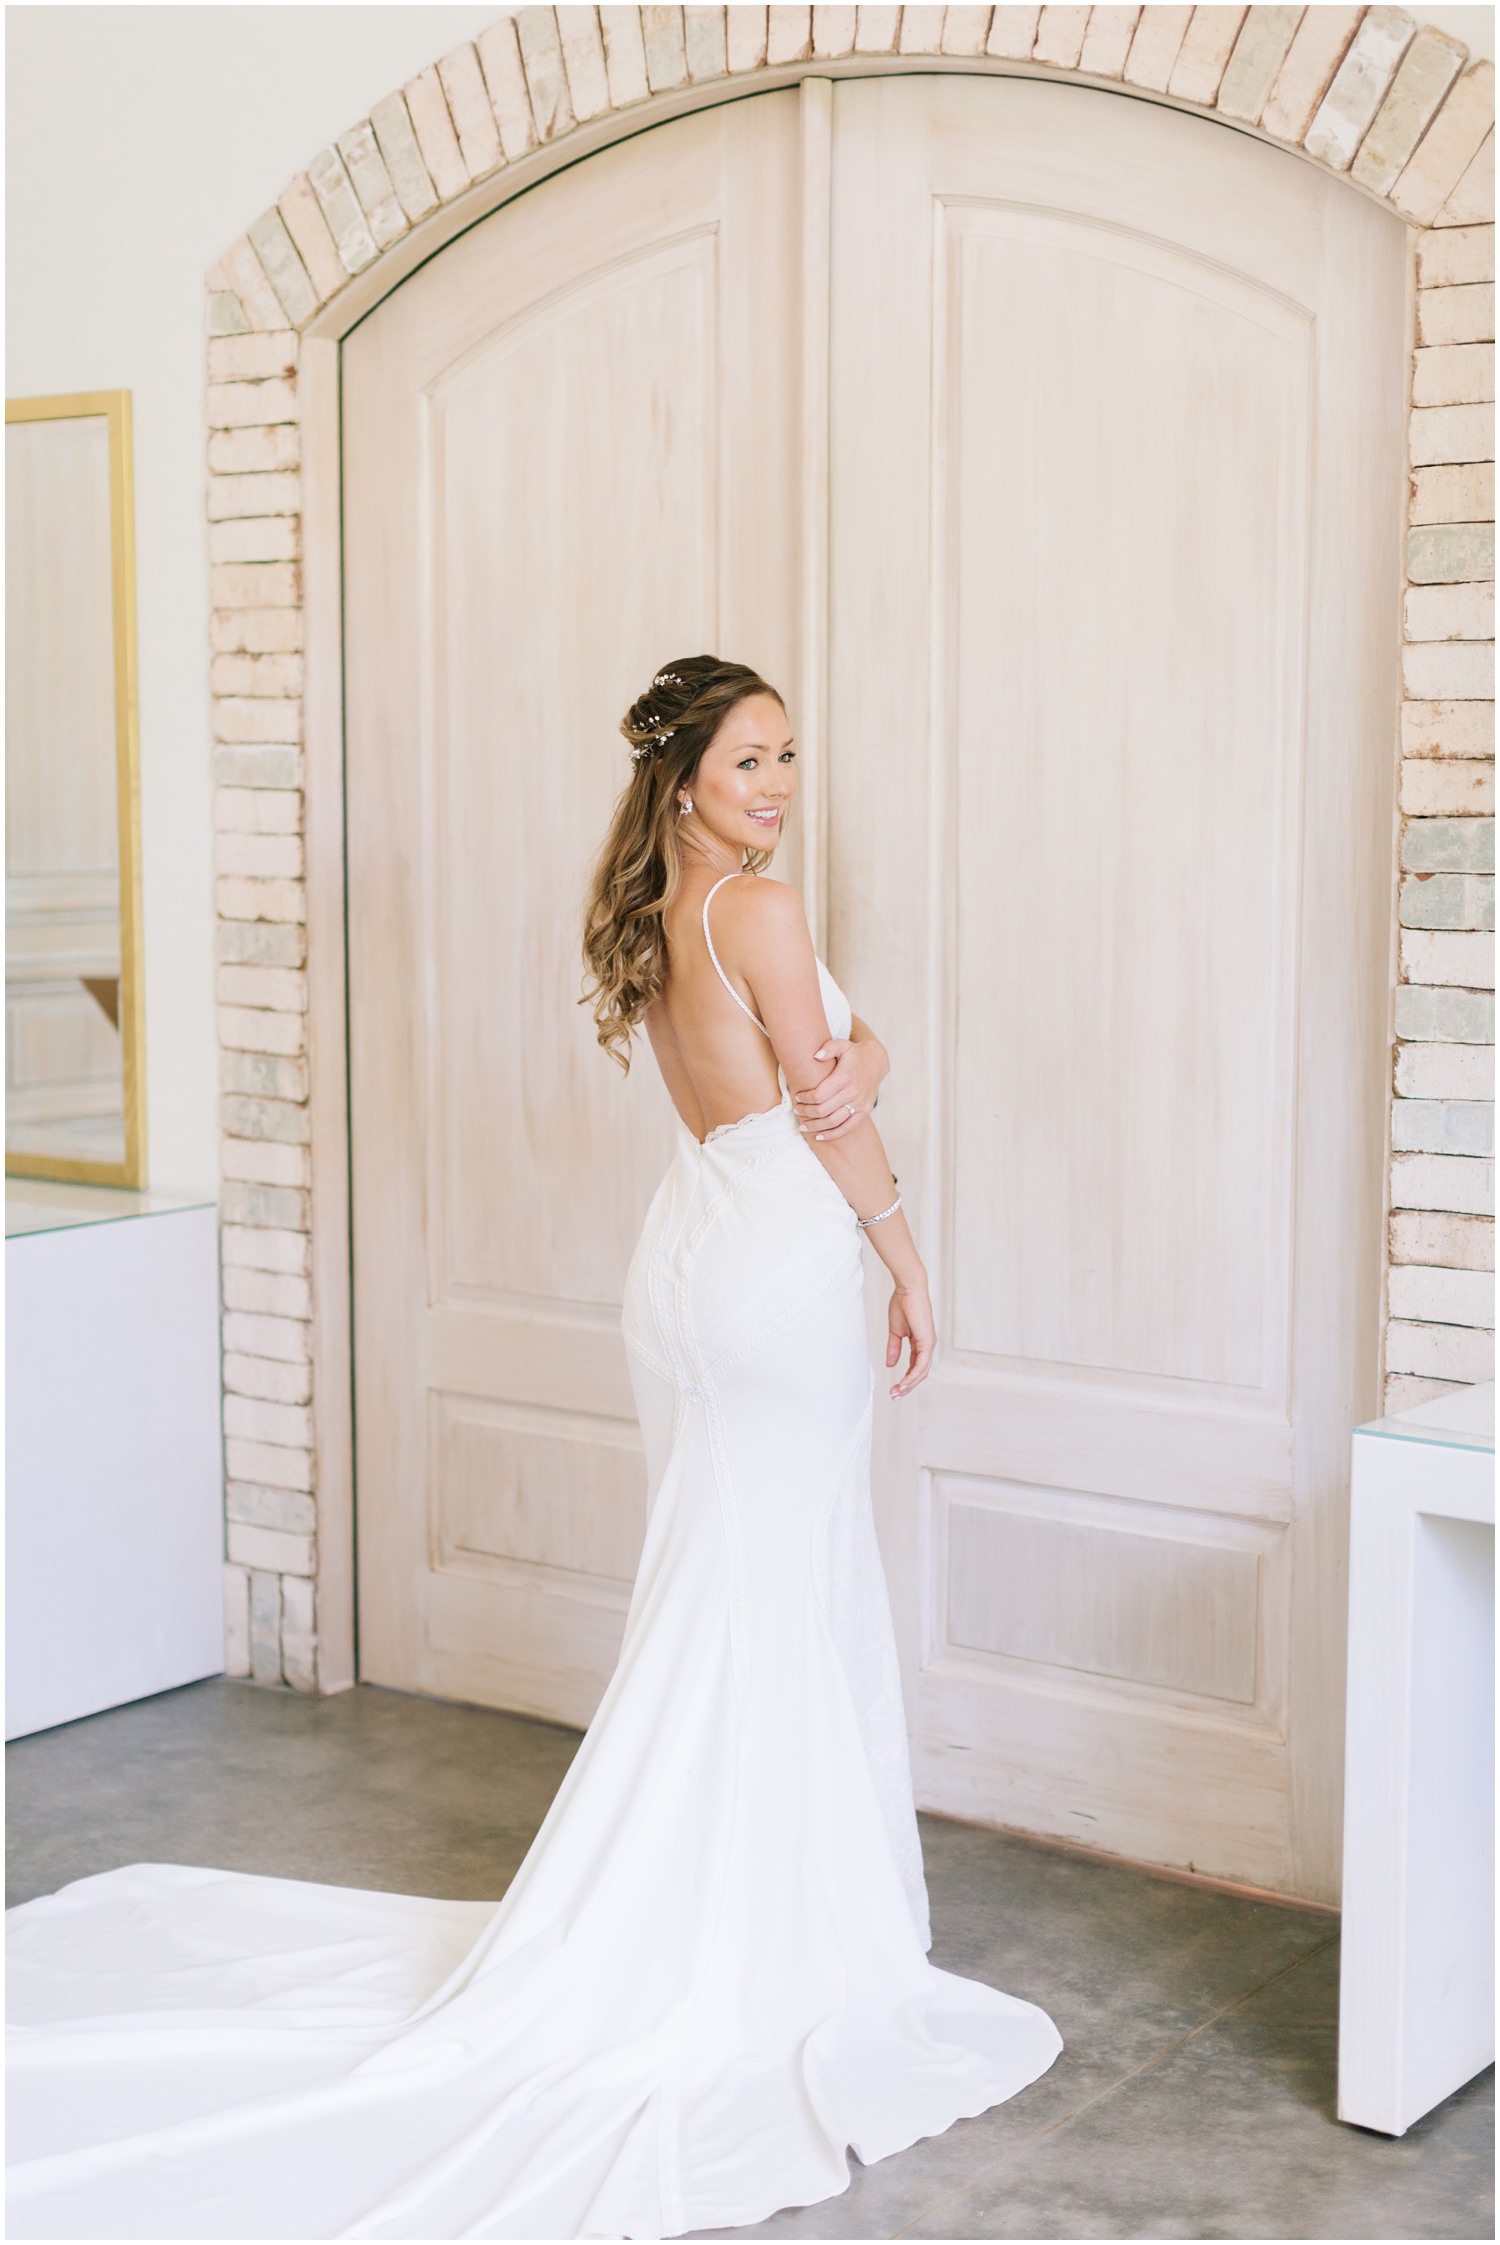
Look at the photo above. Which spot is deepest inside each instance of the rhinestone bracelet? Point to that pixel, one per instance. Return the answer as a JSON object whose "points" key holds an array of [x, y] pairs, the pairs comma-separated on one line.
{"points": [[864, 1222]]}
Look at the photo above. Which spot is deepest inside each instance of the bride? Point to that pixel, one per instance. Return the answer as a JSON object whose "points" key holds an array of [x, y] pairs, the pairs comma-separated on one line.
{"points": [[709, 1980]]}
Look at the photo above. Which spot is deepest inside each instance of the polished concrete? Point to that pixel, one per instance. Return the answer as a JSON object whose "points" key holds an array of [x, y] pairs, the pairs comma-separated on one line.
{"points": [[1195, 2095]]}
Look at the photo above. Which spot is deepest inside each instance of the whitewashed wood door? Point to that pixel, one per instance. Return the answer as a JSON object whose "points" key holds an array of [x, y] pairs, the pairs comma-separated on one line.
{"points": [[1116, 499], [570, 451]]}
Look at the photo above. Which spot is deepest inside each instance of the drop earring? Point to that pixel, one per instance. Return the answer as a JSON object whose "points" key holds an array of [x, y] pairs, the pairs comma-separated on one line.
{"points": [[686, 804]]}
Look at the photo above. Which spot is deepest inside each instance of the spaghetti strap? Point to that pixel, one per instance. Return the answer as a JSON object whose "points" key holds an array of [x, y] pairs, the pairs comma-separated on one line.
{"points": [[713, 954]]}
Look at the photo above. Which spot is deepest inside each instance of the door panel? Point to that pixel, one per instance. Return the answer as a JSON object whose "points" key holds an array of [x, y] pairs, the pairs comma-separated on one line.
{"points": [[568, 458], [1109, 870]]}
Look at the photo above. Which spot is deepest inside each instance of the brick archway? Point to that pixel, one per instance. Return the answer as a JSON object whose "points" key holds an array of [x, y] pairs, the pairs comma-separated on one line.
{"points": [[1400, 112]]}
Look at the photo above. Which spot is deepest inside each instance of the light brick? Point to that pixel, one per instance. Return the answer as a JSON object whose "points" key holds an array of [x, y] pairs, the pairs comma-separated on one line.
{"points": [[1448, 1181], [1255, 64], [789, 31], [299, 1639], [427, 107], [262, 1248], [1012, 33], [1463, 493], [284, 1338], [666, 58], [371, 182], [1359, 86], [256, 451], [1443, 1126], [260, 677], [1472, 201], [1433, 1236], [1452, 432], [1464, 611], [1455, 137], [265, 1118], [965, 30], [1448, 787], [302, 215], [1447, 900], [410, 179], [1153, 50], [262, 1075], [1431, 1015], [875, 29], [1428, 69], [263, 856], [266, 1293], [1321, 42], [1059, 34], [474, 120], [1442, 1072], [522, 110], [1462, 960], [270, 1549], [282, 1206], [1442, 1297], [834, 29], [340, 205], [248, 1029], [256, 584], [255, 1506], [230, 497], [1447, 1352], [261, 1375], [284, 268], [1456, 315], [258, 720], [1454, 374], [268, 1462], [287, 1425], [1105, 43], [247, 405], [583, 58], [1448, 845], [1438, 728], [257, 631], [265, 1627], [257, 1162], [273, 989], [236, 897], [256, 538], [226, 314], [703, 43], [1204, 54], [1454, 255], [258, 944], [625, 53], [1403, 1390], [1449, 670], [242, 358], [236, 1621], [247, 276]]}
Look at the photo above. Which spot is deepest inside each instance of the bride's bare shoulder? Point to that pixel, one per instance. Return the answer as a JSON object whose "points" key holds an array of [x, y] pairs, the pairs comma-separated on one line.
{"points": [[767, 913]]}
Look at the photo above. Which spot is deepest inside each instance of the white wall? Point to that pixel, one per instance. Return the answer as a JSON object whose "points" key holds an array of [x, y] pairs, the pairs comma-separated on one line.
{"points": [[142, 141]]}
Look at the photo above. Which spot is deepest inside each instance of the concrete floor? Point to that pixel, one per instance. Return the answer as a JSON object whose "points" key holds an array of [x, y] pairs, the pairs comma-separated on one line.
{"points": [[1195, 2096]]}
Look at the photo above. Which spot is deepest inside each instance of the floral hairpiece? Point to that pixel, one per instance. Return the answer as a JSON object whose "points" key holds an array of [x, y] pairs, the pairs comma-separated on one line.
{"points": [[663, 733]]}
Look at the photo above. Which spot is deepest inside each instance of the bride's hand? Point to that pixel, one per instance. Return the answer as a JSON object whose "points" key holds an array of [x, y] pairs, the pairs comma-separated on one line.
{"points": [[847, 1092], [910, 1321]]}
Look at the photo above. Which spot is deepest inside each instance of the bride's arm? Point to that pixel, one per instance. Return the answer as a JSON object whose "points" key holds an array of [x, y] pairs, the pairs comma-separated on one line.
{"points": [[858, 1066], [766, 934]]}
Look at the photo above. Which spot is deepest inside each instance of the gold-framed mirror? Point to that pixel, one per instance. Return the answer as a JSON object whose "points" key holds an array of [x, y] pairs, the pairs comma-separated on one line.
{"points": [[74, 1017]]}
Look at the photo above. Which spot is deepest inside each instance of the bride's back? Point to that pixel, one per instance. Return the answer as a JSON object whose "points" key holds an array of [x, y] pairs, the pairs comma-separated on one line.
{"points": [[716, 1061]]}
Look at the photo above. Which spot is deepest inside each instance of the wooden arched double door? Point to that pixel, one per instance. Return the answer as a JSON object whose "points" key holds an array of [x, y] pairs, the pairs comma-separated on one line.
{"points": [[1046, 445]]}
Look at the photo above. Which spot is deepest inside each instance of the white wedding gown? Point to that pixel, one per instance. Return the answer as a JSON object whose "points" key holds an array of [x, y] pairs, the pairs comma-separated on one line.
{"points": [[708, 1979]]}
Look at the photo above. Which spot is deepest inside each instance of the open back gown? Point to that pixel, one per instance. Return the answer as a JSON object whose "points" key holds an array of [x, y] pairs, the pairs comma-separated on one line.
{"points": [[708, 1979]]}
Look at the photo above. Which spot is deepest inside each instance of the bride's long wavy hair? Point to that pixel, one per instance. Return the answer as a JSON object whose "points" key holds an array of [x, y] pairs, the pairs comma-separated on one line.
{"points": [[640, 865]]}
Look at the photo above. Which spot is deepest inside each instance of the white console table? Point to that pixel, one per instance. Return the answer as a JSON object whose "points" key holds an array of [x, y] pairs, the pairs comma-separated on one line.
{"points": [[1416, 2000], [114, 1500]]}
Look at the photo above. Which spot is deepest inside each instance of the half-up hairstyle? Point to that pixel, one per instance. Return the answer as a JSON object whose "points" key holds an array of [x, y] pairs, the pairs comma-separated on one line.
{"points": [[638, 869]]}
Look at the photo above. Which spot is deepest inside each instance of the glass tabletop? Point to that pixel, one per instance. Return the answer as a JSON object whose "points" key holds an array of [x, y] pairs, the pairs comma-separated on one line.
{"points": [[40, 1204], [1464, 1420]]}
